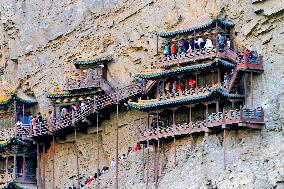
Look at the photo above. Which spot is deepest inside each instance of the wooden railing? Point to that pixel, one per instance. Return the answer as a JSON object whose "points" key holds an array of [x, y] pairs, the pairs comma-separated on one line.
{"points": [[83, 83], [187, 93], [127, 92], [243, 63], [5, 178], [220, 119]]}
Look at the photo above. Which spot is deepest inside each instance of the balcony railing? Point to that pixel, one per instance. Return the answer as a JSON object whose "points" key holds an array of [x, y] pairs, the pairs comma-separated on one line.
{"points": [[252, 63], [83, 83], [252, 118]]}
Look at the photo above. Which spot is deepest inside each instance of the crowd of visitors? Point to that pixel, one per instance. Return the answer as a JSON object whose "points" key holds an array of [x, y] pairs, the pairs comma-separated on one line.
{"points": [[201, 43]]}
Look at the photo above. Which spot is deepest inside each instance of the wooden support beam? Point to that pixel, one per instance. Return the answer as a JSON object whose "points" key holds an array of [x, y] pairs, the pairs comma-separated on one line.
{"points": [[53, 162], [43, 166], [98, 152], [155, 161], [23, 118], [77, 158], [158, 164], [175, 151], [225, 148], [219, 76], [245, 89], [15, 167], [147, 165], [162, 157], [251, 89], [38, 177], [217, 106], [116, 168], [6, 169], [24, 167]]}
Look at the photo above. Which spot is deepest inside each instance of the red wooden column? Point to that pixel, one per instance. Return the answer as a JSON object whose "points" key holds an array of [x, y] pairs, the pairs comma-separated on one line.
{"points": [[157, 166], [98, 151], [116, 168], [43, 166], [77, 158], [15, 164], [155, 161], [147, 165]]}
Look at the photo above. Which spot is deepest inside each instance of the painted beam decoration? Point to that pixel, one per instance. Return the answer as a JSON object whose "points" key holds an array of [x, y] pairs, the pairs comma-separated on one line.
{"points": [[183, 101], [186, 69], [196, 25], [12, 141]]}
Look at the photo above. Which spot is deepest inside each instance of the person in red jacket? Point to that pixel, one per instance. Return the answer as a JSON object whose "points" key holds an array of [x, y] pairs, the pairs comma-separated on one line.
{"points": [[192, 83], [173, 49], [180, 87]]}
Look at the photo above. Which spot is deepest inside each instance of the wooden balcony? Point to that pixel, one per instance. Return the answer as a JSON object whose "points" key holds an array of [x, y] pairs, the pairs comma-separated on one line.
{"points": [[83, 83], [248, 118], [186, 58]]}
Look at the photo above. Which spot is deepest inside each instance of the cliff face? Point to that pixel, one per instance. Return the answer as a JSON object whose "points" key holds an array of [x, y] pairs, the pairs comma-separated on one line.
{"points": [[39, 40]]}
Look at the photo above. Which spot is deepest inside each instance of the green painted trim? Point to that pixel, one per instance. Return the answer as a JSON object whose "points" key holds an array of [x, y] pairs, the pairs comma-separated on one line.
{"points": [[95, 61], [211, 23], [19, 99], [180, 70], [183, 101], [13, 140], [12, 185], [71, 94]]}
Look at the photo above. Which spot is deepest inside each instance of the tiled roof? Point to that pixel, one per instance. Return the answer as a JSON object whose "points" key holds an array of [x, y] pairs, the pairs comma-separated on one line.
{"points": [[183, 101], [202, 23], [185, 69], [71, 94], [96, 61]]}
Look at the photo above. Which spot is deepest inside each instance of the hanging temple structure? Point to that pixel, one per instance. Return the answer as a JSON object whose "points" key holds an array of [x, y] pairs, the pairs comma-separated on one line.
{"points": [[183, 94]]}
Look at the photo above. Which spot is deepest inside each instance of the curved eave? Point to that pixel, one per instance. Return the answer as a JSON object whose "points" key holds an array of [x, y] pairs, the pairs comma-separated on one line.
{"points": [[70, 94], [208, 25], [12, 141], [11, 184], [186, 69], [18, 99], [97, 61], [183, 101]]}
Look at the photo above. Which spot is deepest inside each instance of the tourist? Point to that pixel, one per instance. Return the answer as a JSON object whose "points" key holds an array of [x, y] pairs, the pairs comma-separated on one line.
{"points": [[221, 42], [123, 157], [63, 112], [30, 120], [74, 108], [19, 124], [129, 150], [208, 44], [228, 43], [105, 169], [34, 121], [174, 87], [113, 163], [39, 120], [167, 51], [83, 106], [180, 43], [226, 81], [192, 83], [173, 49], [189, 50], [185, 46], [137, 147], [180, 87], [167, 87], [192, 44], [201, 42]]}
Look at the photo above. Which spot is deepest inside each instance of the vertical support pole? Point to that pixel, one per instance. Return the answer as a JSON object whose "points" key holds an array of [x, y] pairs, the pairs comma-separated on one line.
{"points": [[219, 76], [162, 157], [157, 44], [196, 81], [233, 104], [23, 118], [217, 106], [158, 90], [77, 158], [164, 95], [53, 162], [6, 169], [116, 168], [38, 180], [24, 167], [251, 89], [15, 166], [190, 116], [225, 149], [155, 161], [245, 89], [158, 164], [147, 164], [43, 166], [174, 123], [206, 113], [158, 123], [98, 151]]}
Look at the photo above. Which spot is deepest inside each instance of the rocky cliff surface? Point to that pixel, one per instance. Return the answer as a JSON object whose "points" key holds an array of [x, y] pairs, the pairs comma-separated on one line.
{"points": [[39, 40]]}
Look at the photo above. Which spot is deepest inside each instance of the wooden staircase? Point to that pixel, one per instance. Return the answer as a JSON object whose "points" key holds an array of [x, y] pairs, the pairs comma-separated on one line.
{"points": [[234, 81]]}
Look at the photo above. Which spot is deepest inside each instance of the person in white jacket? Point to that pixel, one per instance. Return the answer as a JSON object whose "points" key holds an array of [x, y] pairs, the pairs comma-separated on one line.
{"points": [[208, 44]]}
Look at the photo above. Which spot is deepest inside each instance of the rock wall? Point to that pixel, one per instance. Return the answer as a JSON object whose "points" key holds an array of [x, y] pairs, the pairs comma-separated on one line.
{"points": [[39, 40]]}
